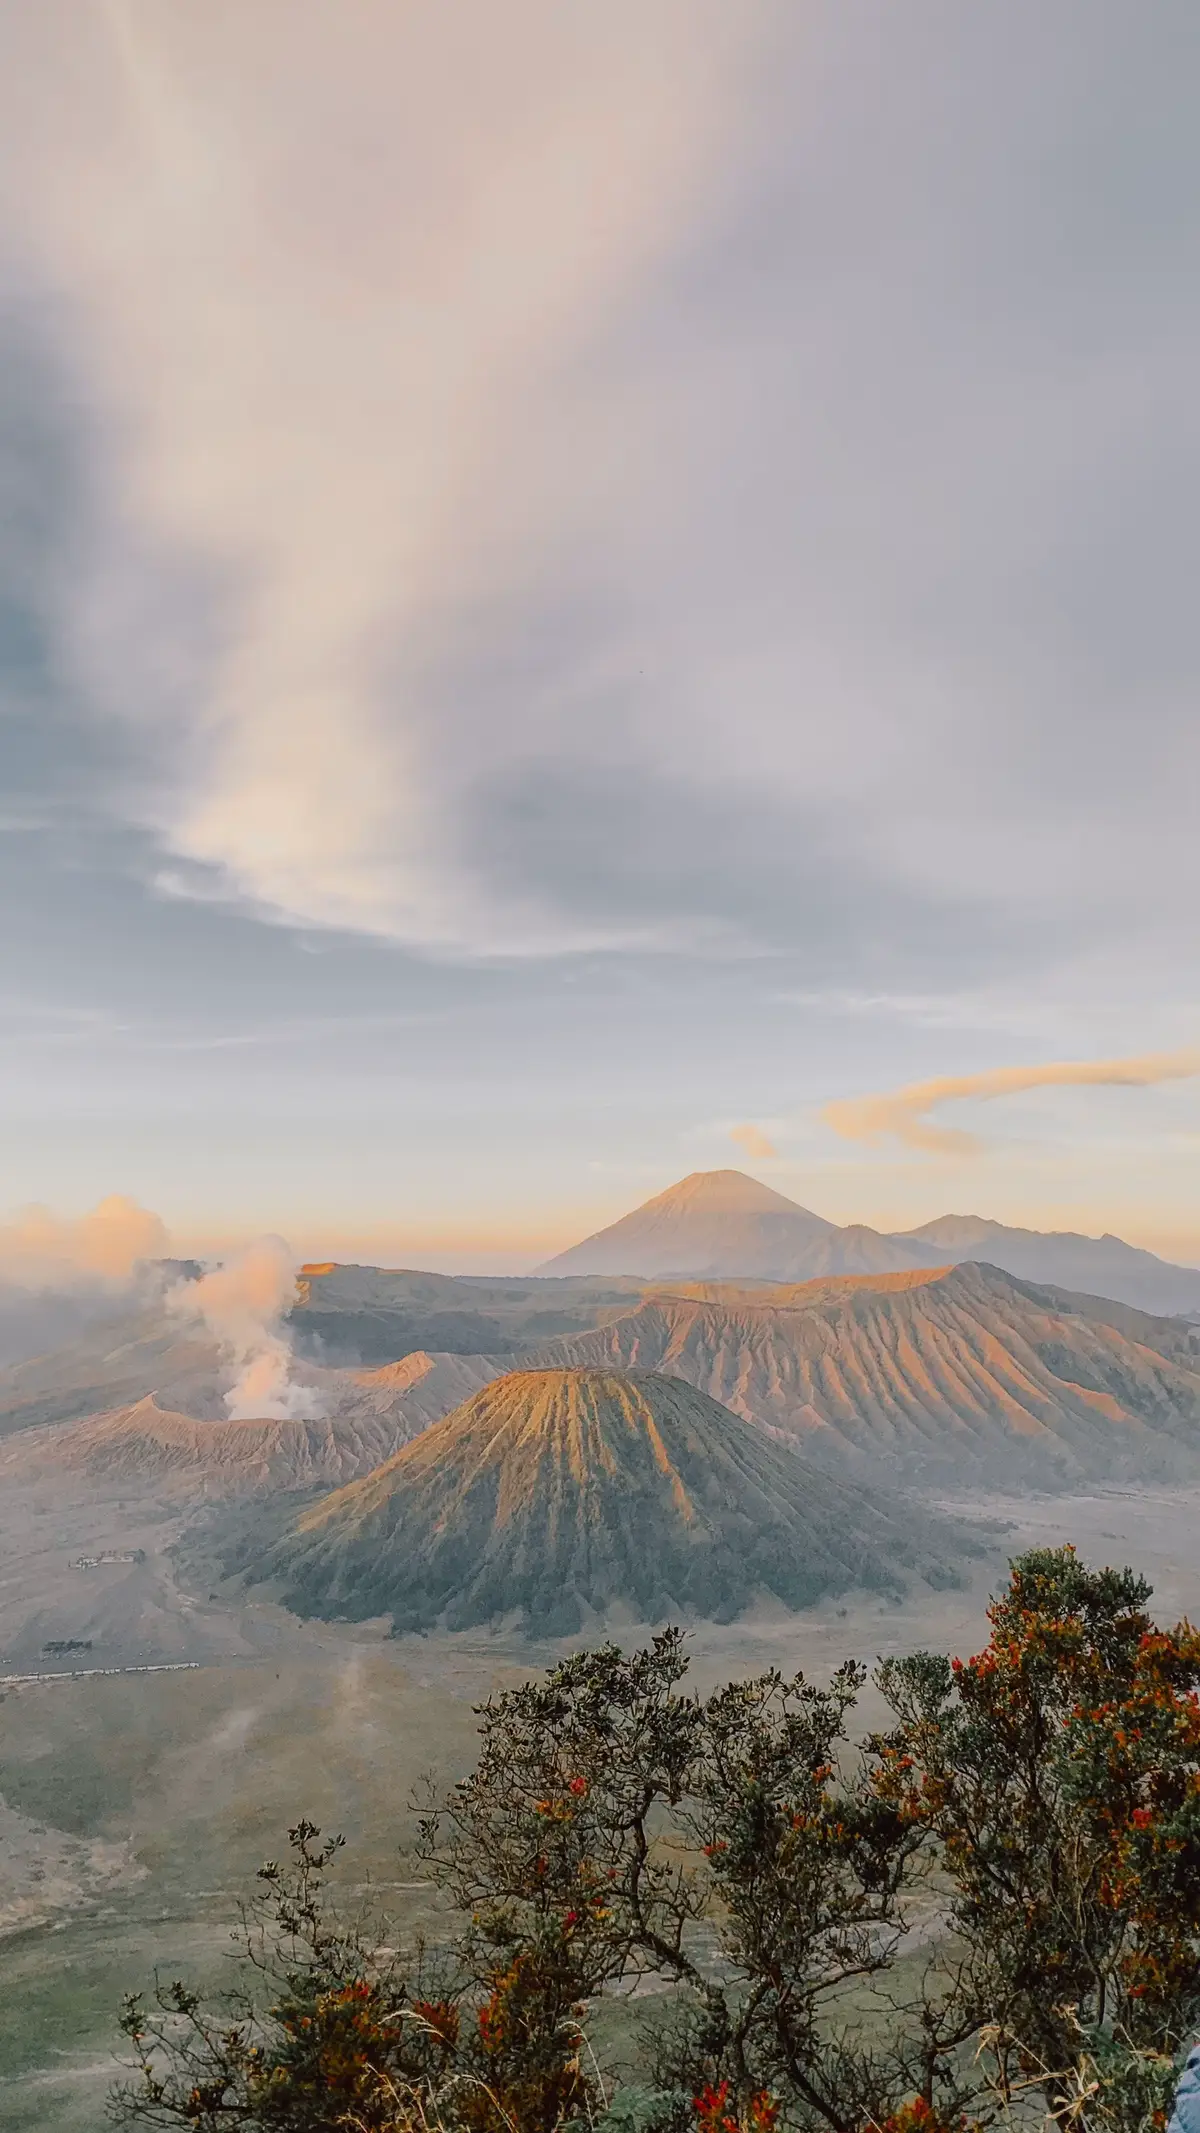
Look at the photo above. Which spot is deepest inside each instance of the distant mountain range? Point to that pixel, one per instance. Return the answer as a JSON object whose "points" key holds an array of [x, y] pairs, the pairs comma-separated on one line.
{"points": [[1094, 1266], [655, 1425], [719, 1225], [553, 1496]]}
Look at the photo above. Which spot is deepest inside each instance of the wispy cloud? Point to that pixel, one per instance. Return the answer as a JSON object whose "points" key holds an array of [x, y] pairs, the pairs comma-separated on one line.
{"points": [[752, 1140], [947, 1010], [481, 412], [341, 269], [903, 1114]]}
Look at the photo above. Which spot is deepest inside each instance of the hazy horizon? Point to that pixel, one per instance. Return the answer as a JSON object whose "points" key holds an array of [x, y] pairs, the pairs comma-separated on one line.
{"points": [[40, 1249], [509, 1248]]}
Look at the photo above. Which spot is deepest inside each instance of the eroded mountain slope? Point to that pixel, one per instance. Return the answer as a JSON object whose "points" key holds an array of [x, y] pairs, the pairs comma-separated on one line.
{"points": [[948, 1373], [183, 1458], [556, 1495]]}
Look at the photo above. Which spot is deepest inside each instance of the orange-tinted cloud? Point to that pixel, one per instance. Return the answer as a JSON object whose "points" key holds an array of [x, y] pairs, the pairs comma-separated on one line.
{"points": [[40, 1250], [904, 1113], [752, 1139]]}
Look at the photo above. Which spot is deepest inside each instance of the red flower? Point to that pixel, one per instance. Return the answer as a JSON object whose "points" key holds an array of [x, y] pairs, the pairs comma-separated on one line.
{"points": [[711, 2115], [764, 2113]]}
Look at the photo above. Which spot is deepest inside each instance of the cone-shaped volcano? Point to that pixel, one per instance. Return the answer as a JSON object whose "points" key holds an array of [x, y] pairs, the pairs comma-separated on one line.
{"points": [[555, 1494]]}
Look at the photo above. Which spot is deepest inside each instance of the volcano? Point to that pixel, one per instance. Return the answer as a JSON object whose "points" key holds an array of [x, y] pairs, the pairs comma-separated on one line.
{"points": [[718, 1223], [554, 1496]]}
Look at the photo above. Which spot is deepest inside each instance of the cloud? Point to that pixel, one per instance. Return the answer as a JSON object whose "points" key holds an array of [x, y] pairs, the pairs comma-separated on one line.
{"points": [[903, 1115], [244, 1304], [753, 1140], [40, 1250], [490, 409], [338, 272]]}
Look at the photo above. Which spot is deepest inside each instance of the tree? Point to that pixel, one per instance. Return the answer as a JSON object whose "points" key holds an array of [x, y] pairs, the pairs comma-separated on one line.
{"points": [[706, 1842], [350, 2037], [1057, 1776], [734, 1849]]}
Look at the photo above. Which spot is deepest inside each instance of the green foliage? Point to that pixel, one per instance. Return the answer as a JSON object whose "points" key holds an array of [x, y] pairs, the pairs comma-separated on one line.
{"points": [[350, 2036], [1040, 1801], [1121, 2088], [1056, 1776], [637, 1823]]}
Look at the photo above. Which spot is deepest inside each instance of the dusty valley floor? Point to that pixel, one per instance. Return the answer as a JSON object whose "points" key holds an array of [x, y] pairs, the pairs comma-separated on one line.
{"points": [[136, 1805]]}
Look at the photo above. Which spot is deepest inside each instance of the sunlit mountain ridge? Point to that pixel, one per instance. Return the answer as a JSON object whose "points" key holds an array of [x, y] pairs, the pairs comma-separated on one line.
{"points": [[553, 1496]]}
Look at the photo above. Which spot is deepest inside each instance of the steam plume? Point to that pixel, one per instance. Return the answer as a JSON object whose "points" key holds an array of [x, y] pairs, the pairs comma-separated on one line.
{"points": [[243, 1304], [752, 1139], [904, 1114]]}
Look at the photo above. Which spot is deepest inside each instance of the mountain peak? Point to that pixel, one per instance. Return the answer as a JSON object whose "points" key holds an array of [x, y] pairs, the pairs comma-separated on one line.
{"points": [[713, 1222], [559, 1493], [722, 1192]]}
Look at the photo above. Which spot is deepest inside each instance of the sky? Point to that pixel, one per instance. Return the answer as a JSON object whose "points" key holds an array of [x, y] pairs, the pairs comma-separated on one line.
{"points": [[586, 593]]}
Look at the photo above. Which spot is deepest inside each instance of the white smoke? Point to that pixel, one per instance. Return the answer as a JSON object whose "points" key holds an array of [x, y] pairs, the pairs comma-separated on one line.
{"points": [[244, 1304]]}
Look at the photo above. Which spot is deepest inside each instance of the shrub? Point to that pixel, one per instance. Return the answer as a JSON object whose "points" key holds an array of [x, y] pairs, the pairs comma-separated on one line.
{"points": [[1044, 1796]]}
